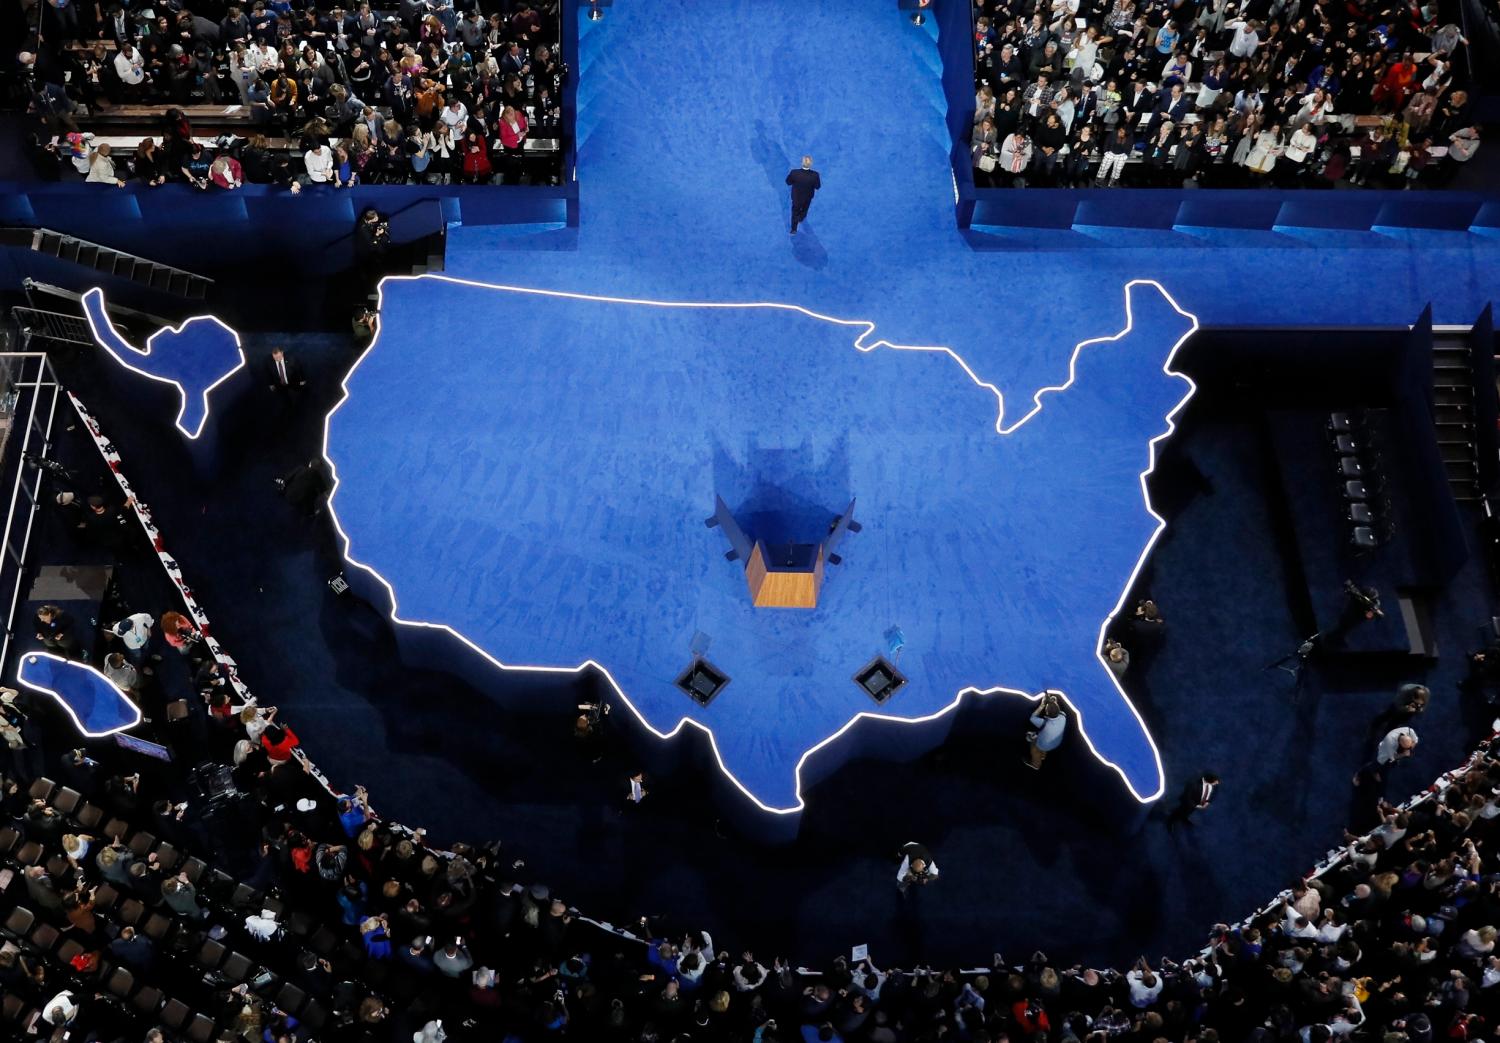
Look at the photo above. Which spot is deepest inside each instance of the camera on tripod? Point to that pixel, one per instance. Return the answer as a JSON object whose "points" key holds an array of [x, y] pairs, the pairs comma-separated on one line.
{"points": [[1364, 599]]}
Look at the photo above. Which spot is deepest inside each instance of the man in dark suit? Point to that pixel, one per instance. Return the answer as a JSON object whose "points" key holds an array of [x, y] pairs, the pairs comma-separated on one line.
{"points": [[805, 182], [1196, 795], [284, 376]]}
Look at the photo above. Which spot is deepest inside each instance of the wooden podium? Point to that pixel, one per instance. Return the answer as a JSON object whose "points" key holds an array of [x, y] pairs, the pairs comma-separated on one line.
{"points": [[782, 575], [785, 576]]}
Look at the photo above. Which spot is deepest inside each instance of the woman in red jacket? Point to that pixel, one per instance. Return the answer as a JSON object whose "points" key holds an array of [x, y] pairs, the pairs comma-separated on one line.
{"points": [[278, 742], [476, 158], [512, 128], [1391, 92]]}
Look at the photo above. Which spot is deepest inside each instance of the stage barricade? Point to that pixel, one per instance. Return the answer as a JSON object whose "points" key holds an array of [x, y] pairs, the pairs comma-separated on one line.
{"points": [[1252, 209], [265, 224], [1204, 210]]}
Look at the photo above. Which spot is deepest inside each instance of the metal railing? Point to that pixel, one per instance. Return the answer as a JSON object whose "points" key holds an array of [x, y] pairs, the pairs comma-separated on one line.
{"points": [[29, 391]]}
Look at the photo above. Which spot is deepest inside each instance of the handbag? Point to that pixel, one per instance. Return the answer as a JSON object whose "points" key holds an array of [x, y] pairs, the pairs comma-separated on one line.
{"points": [[987, 164]]}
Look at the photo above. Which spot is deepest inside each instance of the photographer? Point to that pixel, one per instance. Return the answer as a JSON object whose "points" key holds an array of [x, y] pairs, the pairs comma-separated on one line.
{"points": [[372, 241], [917, 867]]}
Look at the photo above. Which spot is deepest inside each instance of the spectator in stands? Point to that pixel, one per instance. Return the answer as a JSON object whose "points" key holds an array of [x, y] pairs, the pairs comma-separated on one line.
{"points": [[475, 161], [278, 742], [1463, 143], [102, 167], [196, 165], [1015, 158], [513, 129], [150, 167], [984, 146], [1047, 144], [130, 70], [343, 172], [318, 164], [225, 172], [132, 949], [179, 895], [1265, 151], [1117, 152], [1298, 154]]}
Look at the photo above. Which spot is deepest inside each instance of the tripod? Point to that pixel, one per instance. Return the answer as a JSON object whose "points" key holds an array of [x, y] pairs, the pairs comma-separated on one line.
{"points": [[1295, 661], [57, 470]]}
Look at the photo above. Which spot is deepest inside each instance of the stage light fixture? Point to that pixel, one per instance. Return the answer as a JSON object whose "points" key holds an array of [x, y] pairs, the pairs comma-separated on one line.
{"points": [[702, 681], [879, 679]]}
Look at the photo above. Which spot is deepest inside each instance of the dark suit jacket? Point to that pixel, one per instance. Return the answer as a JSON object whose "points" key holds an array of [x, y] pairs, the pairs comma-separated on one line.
{"points": [[1192, 793], [804, 183], [294, 374]]}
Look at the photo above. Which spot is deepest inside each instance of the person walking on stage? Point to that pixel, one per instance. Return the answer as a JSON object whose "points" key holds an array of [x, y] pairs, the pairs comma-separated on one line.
{"points": [[805, 182]]}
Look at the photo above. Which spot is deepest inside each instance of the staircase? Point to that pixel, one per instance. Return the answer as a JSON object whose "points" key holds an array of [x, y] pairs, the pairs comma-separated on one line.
{"points": [[161, 277], [1453, 413]]}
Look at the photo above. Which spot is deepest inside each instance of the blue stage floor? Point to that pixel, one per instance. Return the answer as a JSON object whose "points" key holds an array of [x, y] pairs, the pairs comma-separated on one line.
{"points": [[573, 448], [551, 509]]}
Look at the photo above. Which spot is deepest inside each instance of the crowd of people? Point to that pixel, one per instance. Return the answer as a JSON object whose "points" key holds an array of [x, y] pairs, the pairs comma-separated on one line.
{"points": [[1076, 93], [429, 92], [340, 925]]}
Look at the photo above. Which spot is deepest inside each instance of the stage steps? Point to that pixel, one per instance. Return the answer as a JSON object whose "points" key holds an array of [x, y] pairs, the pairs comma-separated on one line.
{"points": [[1453, 413], [140, 270]]}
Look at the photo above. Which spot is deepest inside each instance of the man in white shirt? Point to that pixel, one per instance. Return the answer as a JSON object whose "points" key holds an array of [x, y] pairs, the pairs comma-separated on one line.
{"points": [[456, 117], [1397, 746], [134, 633], [319, 164], [1246, 38], [130, 66], [60, 1009], [1294, 924], [1145, 985]]}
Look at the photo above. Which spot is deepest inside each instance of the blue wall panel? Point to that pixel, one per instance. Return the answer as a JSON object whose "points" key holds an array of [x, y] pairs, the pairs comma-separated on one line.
{"points": [[1127, 208], [1021, 208], [215, 231], [1355, 211], [1454, 213], [1227, 210], [82, 213]]}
